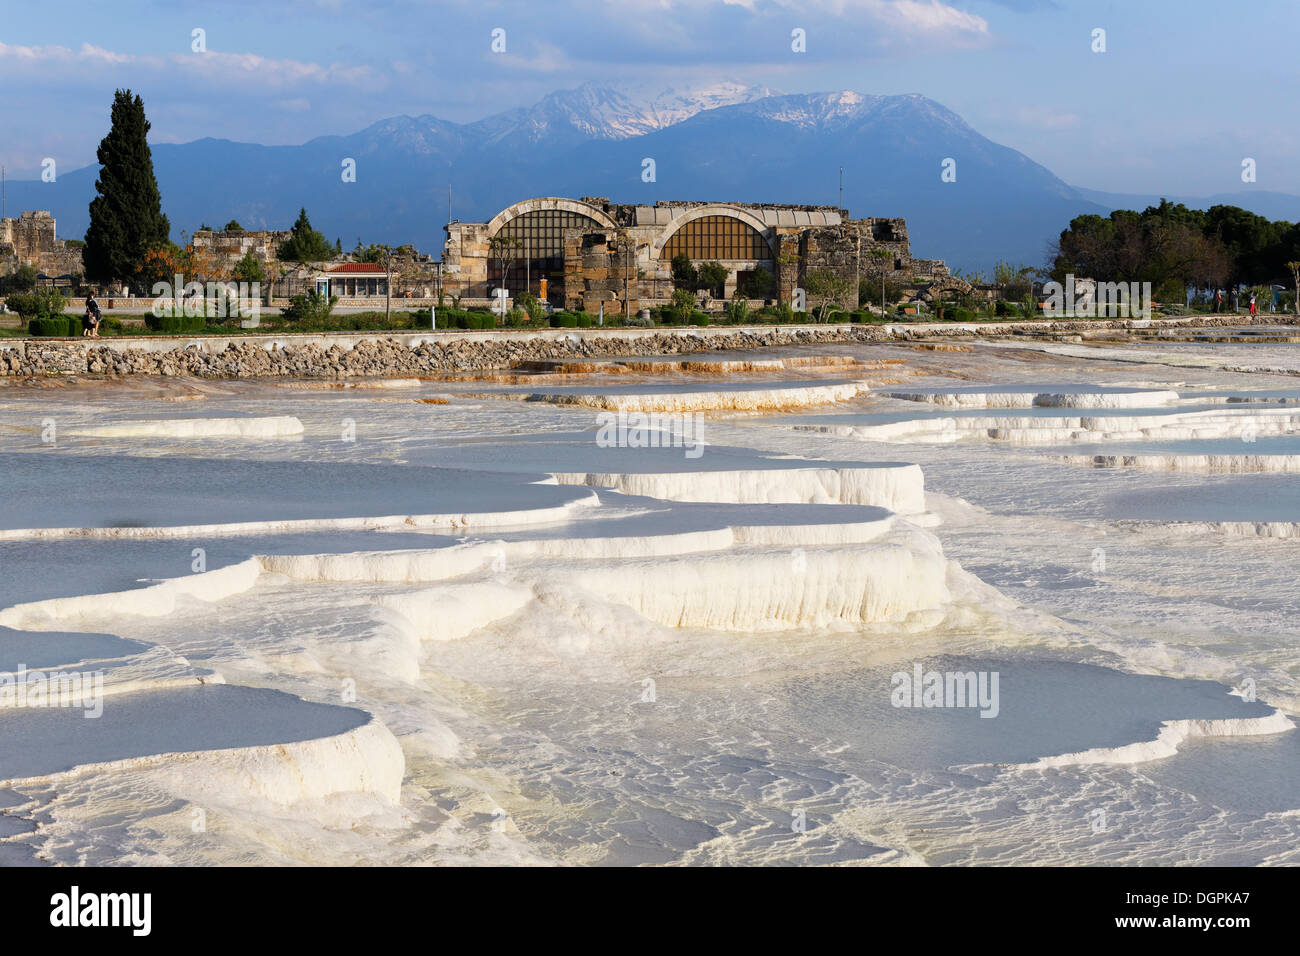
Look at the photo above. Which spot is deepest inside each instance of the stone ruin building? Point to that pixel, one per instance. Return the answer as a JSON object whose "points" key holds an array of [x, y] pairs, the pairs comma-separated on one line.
{"points": [[30, 240], [415, 274], [591, 252]]}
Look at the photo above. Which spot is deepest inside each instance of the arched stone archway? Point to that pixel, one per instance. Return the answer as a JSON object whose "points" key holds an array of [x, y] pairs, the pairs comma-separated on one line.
{"points": [[714, 209], [549, 202]]}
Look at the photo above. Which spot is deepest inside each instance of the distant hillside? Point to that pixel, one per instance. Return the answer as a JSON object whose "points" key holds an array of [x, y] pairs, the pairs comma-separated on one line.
{"points": [[729, 143]]}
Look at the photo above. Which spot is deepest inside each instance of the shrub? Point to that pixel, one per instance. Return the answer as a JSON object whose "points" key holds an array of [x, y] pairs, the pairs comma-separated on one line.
{"points": [[683, 301], [59, 326], [571, 320], [531, 305], [737, 311], [312, 307], [175, 323], [699, 318], [476, 319]]}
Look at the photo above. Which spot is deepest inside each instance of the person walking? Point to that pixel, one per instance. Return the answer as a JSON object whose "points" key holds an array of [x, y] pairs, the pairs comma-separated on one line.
{"points": [[1253, 309], [92, 319]]}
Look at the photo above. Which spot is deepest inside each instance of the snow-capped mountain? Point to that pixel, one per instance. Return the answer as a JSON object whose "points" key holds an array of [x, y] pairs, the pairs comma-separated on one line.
{"points": [[724, 141], [593, 112], [661, 108]]}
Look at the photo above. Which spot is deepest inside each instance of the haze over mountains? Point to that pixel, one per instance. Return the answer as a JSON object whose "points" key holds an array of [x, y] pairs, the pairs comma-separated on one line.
{"points": [[725, 142]]}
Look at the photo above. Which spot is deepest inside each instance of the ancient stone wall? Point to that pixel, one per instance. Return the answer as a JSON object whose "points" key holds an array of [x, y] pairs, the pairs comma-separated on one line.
{"points": [[31, 239], [349, 356], [836, 249], [802, 238], [230, 247]]}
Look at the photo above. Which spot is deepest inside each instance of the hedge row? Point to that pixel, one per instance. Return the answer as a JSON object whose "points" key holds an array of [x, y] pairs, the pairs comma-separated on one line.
{"points": [[58, 326], [571, 320], [456, 319], [175, 323]]}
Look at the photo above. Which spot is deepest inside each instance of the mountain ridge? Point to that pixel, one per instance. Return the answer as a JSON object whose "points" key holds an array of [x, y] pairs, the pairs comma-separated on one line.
{"points": [[744, 143]]}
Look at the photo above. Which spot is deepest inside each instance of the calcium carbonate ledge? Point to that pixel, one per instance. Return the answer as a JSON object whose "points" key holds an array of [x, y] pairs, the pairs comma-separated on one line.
{"points": [[851, 332]]}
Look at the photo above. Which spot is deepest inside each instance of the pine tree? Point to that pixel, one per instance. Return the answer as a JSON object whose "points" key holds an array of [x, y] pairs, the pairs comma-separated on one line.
{"points": [[305, 244], [126, 217]]}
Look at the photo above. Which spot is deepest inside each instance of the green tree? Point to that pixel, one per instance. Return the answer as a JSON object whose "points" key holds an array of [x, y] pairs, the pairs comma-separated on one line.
{"points": [[249, 269], [371, 253], [233, 226], [22, 279], [684, 274], [754, 285], [882, 258], [305, 244], [1294, 266], [126, 218], [712, 276], [828, 286], [38, 304], [504, 250]]}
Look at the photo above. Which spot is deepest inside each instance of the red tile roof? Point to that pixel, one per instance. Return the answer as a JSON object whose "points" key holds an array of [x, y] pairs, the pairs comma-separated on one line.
{"points": [[356, 268]]}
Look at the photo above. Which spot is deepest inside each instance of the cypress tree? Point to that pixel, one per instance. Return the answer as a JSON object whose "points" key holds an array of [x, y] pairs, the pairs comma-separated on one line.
{"points": [[305, 244], [126, 217]]}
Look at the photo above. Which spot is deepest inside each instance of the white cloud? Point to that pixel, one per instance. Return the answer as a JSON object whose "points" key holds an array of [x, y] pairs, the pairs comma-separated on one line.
{"points": [[214, 66], [918, 16], [1038, 117], [546, 58], [932, 17]]}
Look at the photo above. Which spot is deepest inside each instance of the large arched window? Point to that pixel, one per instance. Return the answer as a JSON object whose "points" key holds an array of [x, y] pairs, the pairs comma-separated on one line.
{"points": [[717, 237], [542, 232], [538, 252]]}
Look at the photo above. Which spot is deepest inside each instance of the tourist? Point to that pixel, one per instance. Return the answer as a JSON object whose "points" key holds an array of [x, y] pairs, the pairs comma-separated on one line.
{"points": [[1252, 304], [93, 316]]}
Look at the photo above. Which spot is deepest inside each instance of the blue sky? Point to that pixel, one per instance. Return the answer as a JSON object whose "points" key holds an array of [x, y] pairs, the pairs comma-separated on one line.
{"points": [[1185, 90]]}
